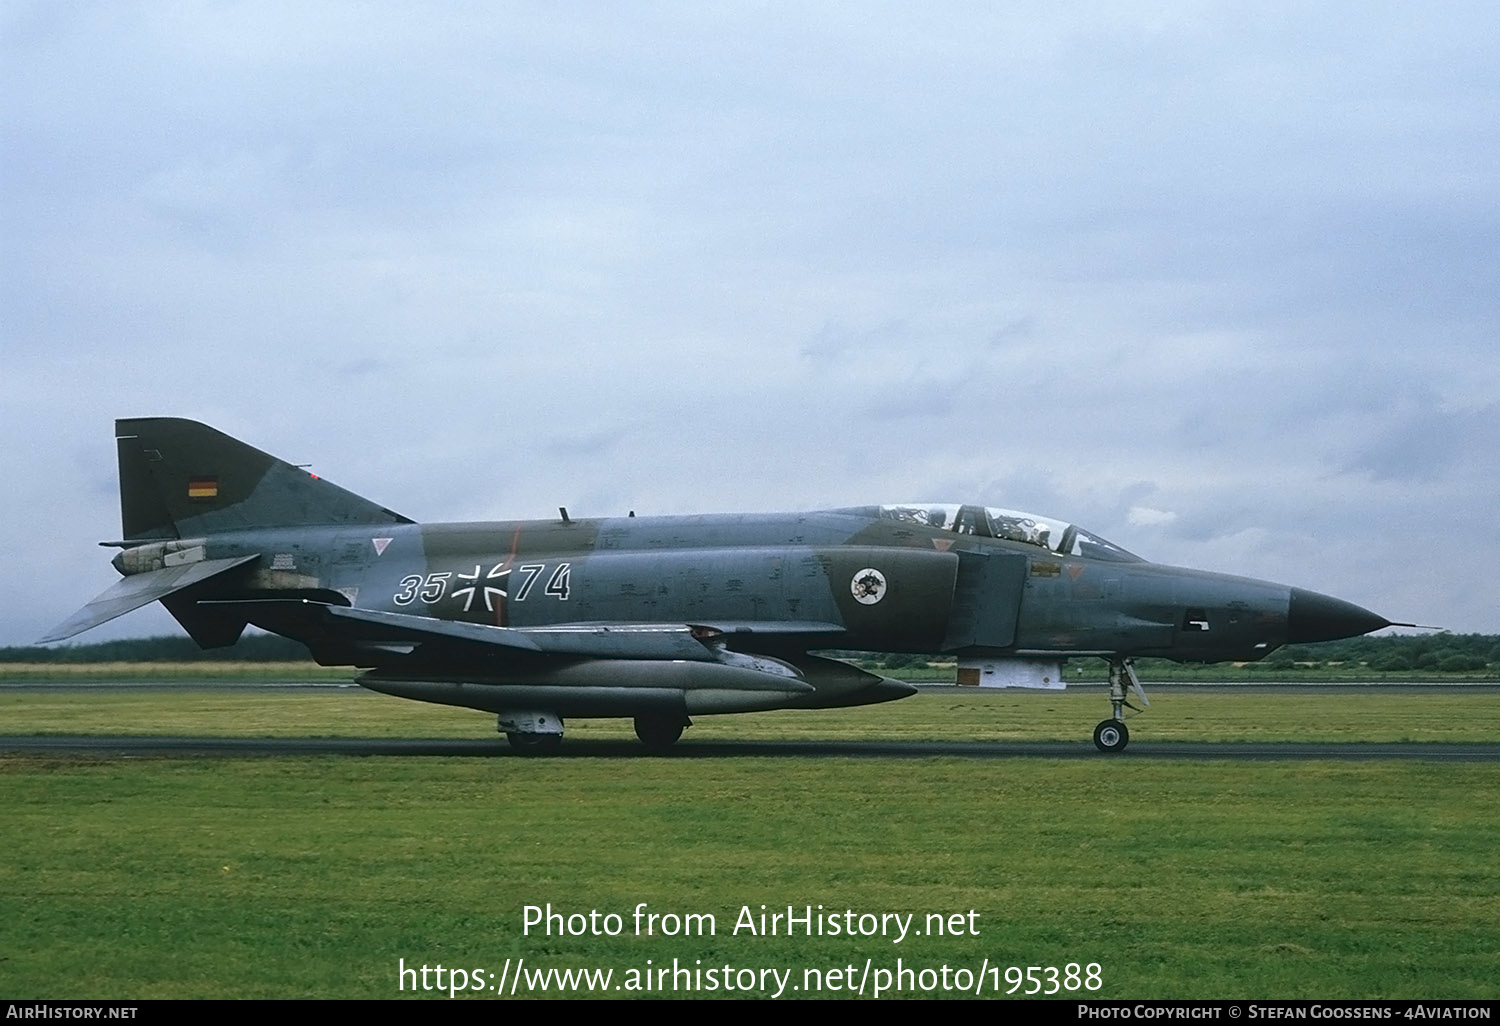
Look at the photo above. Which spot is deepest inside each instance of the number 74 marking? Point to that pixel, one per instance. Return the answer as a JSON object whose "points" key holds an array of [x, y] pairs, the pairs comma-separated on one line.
{"points": [[557, 585]]}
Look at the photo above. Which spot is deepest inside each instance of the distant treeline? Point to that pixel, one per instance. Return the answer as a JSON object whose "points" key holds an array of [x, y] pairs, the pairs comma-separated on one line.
{"points": [[257, 648], [1448, 653], [1439, 653]]}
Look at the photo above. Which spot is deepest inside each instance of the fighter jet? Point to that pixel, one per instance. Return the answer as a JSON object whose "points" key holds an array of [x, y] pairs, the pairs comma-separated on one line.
{"points": [[658, 618]]}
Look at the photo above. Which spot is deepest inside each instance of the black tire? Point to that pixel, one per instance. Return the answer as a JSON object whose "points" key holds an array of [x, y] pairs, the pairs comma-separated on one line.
{"points": [[1111, 736], [534, 744], [658, 733]]}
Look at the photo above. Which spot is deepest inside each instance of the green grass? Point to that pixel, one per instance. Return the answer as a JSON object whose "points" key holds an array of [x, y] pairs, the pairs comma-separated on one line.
{"points": [[1215, 716], [310, 877]]}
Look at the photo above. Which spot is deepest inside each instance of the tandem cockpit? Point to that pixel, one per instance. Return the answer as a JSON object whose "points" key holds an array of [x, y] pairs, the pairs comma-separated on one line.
{"points": [[1055, 536]]}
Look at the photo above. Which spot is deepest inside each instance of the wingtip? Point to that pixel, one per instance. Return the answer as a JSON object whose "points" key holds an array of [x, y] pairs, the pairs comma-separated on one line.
{"points": [[58, 633]]}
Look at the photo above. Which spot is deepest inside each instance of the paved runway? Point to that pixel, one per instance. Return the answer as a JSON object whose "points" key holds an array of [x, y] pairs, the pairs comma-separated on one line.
{"points": [[140, 745]]}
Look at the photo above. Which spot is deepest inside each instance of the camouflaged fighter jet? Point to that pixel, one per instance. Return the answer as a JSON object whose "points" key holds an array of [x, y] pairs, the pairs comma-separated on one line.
{"points": [[658, 618]]}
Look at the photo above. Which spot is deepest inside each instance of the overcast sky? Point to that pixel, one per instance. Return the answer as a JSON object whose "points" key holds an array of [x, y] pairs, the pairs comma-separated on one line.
{"points": [[1220, 282]]}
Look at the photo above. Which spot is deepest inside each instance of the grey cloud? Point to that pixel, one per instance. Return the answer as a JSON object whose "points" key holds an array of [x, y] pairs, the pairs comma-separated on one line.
{"points": [[1231, 264], [1422, 442]]}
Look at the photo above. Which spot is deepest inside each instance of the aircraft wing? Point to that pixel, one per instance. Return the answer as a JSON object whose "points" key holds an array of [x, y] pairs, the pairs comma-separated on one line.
{"points": [[697, 642], [139, 589], [404, 631], [614, 641]]}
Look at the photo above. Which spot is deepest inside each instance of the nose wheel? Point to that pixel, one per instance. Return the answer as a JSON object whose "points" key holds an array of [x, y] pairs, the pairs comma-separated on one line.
{"points": [[1111, 735]]}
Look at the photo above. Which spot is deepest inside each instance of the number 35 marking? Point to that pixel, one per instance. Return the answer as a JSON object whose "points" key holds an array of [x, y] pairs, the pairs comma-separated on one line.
{"points": [[429, 589]]}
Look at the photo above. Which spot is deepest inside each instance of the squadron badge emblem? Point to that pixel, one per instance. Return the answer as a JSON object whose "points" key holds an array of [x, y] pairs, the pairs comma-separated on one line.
{"points": [[868, 586]]}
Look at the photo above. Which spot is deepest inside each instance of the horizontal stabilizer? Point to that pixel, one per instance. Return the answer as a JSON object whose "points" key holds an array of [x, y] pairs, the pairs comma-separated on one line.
{"points": [[138, 590]]}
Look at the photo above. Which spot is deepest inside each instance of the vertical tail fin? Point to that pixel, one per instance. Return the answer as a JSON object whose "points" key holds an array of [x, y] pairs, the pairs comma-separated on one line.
{"points": [[179, 478]]}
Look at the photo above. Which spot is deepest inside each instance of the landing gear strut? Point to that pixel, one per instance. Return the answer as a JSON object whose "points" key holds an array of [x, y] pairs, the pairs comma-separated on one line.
{"points": [[1111, 735]]}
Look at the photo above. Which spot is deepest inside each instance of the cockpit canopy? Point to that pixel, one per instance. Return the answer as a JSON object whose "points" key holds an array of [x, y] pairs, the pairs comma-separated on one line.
{"points": [[1012, 525]]}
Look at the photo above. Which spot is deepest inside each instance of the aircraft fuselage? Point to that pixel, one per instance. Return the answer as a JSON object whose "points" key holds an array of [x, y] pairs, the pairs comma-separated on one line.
{"points": [[659, 618]]}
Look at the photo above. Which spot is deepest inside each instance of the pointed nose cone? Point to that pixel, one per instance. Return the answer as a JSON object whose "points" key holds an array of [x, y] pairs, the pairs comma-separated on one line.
{"points": [[1314, 617]]}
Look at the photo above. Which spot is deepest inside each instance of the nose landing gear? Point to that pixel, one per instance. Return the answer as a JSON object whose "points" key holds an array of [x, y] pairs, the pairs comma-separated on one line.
{"points": [[1111, 735]]}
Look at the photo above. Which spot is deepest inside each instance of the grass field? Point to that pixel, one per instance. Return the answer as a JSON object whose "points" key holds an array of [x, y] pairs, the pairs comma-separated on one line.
{"points": [[311, 877], [1215, 715]]}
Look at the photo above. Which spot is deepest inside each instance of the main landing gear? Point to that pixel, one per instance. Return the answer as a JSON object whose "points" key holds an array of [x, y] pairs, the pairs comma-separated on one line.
{"points": [[1111, 735], [539, 732], [534, 744], [659, 733], [531, 732]]}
